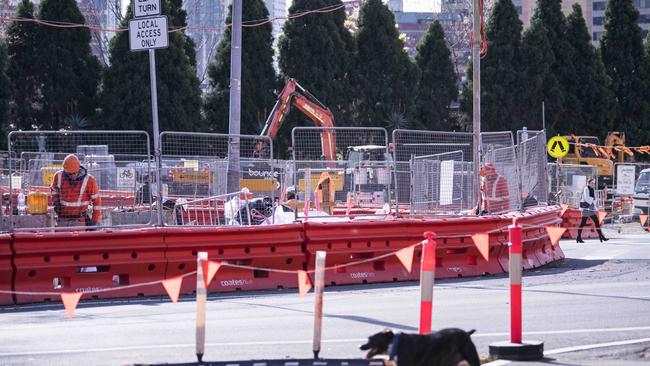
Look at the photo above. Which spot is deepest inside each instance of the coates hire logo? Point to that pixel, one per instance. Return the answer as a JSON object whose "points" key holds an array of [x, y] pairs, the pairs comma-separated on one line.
{"points": [[233, 282], [262, 173]]}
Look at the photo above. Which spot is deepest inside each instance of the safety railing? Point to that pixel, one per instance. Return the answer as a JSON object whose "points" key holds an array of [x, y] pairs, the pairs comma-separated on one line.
{"points": [[119, 162], [232, 209], [501, 181], [531, 156]]}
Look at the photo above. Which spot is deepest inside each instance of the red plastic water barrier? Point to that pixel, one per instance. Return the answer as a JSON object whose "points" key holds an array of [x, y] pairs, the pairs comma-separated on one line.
{"points": [[6, 270], [86, 261], [571, 221], [354, 241], [274, 247]]}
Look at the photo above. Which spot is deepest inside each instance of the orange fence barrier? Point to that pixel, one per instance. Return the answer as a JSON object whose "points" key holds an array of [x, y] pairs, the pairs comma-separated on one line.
{"points": [[40, 266], [571, 221], [274, 247], [6, 270], [88, 261]]}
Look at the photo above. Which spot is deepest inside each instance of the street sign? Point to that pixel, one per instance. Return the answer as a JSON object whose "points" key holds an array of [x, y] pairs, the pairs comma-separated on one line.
{"points": [[625, 179], [557, 147], [148, 33], [146, 8]]}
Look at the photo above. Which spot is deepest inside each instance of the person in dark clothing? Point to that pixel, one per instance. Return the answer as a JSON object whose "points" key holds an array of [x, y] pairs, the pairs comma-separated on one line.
{"points": [[588, 209]]}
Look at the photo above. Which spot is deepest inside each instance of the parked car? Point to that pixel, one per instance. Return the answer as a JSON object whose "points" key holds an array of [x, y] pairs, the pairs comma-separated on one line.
{"points": [[642, 191]]}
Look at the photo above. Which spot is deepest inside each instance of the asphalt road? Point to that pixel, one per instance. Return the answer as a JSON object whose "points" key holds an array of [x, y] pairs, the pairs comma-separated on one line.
{"points": [[599, 295]]}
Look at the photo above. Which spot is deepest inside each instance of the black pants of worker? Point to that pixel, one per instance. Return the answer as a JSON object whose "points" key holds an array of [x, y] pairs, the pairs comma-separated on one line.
{"points": [[583, 222]]}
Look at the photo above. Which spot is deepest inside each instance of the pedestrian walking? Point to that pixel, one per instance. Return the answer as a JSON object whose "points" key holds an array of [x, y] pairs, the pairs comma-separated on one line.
{"points": [[588, 210]]}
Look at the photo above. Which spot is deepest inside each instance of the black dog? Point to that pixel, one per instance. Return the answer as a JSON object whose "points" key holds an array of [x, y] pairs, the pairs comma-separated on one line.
{"points": [[447, 347]]}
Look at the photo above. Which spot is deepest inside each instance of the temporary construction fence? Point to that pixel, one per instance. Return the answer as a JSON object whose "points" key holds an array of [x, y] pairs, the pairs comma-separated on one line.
{"points": [[120, 161], [568, 181], [360, 171], [631, 191], [499, 152], [531, 156]]}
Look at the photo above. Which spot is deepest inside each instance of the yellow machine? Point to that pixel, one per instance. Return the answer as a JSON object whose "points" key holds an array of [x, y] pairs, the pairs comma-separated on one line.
{"points": [[587, 150]]}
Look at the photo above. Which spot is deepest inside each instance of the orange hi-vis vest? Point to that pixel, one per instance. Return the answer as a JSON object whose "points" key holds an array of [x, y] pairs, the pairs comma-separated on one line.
{"points": [[496, 197], [74, 198]]}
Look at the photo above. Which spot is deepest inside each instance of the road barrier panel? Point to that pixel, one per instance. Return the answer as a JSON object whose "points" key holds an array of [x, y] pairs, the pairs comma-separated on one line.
{"points": [[88, 262], [6, 269], [245, 253]]}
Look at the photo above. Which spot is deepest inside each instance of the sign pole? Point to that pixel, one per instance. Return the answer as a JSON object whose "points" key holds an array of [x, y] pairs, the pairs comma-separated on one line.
{"points": [[156, 132]]}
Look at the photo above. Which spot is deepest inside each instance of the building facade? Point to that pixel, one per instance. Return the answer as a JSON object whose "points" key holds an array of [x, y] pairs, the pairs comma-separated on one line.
{"points": [[598, 11]]}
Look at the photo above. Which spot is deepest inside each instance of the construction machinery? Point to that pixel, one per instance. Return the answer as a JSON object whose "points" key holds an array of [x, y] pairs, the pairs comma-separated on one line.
{"points": [[587, 150], [294, 94]]}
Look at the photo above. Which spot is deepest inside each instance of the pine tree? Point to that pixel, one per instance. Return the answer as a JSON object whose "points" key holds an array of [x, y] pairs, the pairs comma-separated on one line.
{"points": [[595, 109], [67, 72], [437, 85], [559, 108], [501, 83], [386, 79], [21, 48], [126, 97], [317, 50], [540, 83], [5, 92], [622, 52], [178, 18], [258, 78]]}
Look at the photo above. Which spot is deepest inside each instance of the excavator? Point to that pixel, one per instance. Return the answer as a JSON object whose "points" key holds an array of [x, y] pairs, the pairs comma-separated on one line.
{"points": [[294, 94]]}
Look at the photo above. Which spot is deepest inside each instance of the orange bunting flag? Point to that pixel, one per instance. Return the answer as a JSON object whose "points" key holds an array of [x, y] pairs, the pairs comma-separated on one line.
{"points": [[482, 242], [405, 255], [70, 301], [643, 219], [601, 216], [555, 233], [564, 208], [173, 287], [304, 285], [210, 268]]}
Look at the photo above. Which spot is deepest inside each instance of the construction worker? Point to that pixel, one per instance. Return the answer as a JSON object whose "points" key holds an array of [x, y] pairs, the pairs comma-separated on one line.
{"points": [[494, 190], [73, 190]]}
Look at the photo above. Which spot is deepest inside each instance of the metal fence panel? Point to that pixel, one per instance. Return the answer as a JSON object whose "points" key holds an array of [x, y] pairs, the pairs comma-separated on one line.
{"points": [[195, 165], [358, 143], [498, 149], [531, 157], [570, 180], [439, 183], [120, 162], [631, 189], [412, 143]]}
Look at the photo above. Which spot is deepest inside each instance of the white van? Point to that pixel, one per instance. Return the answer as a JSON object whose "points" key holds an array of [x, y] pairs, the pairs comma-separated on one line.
{"points": [[642, 191]]}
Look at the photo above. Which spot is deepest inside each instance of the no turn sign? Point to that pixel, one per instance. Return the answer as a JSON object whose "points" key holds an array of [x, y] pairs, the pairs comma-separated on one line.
{"points": [[148, 33]]}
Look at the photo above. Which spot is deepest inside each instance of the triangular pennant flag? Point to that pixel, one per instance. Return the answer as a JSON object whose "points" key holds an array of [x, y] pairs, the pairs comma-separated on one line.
{"points": [[555, 233], [482, 242], [601, 216], [564, 208], [304, 285], [643, 219], [70, 301], [210, 268], [405, 255], [173, 287]]}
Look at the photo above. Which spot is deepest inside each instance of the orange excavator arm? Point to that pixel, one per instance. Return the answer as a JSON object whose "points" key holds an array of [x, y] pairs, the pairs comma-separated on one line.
{"points": [[293, 93]]}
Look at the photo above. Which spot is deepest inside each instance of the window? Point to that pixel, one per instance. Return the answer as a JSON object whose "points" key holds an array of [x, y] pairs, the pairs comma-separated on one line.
{"points": [[599, 20], [600, 5]]}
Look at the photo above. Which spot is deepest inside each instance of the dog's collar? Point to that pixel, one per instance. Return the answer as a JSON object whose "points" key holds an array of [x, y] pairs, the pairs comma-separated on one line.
{"points": [[392, 352]]}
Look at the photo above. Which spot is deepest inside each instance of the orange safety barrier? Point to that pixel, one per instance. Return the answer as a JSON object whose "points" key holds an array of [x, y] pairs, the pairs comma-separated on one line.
{"points": [[537, 247], [571, 221], [274, 247], [6, 270], [87, 261], [456, 254]]}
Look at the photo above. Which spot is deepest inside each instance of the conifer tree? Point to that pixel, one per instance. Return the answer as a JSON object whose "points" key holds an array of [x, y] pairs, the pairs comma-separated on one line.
{"points": [[621, 48], [386, 79], [501, 75], [126, 97], [559, 107], [21, 48], [258, 78], [317, 50], [437, 85], [5, 91], [67, 73], [595, 108]]}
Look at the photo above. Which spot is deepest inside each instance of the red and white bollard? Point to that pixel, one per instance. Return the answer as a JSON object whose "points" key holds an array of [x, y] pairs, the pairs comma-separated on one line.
{"points": [[427, 277], [516, 349]]}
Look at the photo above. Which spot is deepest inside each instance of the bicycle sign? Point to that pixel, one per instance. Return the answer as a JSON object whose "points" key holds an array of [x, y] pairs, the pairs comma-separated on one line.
{"points": [[125, 177]]}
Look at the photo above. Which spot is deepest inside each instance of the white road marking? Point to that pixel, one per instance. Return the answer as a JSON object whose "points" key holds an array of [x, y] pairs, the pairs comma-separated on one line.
{"points": [[349, 340], [583, 347]]}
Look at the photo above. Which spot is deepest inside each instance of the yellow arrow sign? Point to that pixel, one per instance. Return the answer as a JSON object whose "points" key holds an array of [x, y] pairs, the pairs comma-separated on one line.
{"points": [[557, 147]]}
